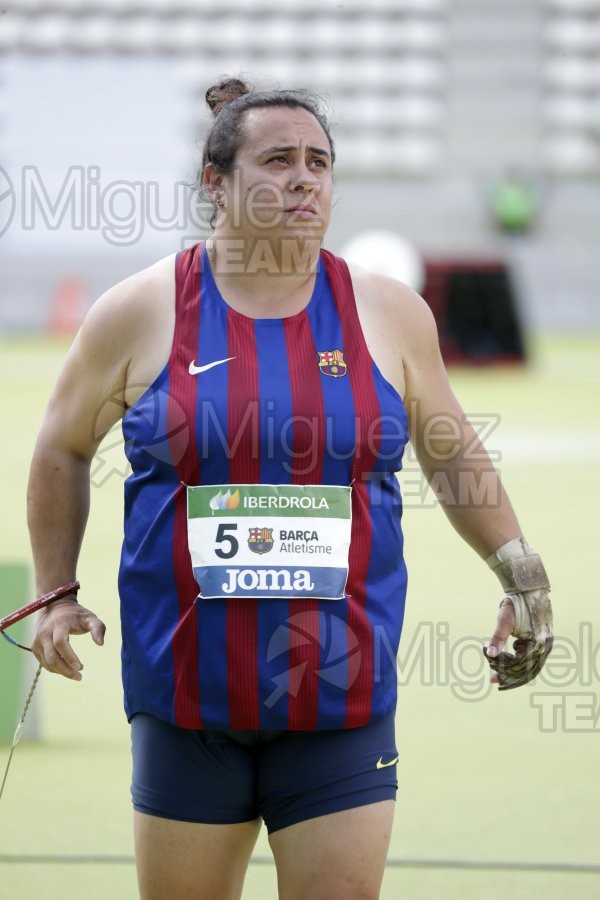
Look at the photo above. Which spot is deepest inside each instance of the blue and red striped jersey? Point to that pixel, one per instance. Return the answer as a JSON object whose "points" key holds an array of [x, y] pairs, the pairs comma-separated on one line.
{"points": [[294, 400]]}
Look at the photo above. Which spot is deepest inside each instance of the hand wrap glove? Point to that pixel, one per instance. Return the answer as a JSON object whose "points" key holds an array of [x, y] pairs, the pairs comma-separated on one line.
{"points": [[523, 577]]}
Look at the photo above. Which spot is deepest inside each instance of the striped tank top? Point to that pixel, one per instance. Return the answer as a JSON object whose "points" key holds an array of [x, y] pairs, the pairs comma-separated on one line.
{"points": [[290, 401]]}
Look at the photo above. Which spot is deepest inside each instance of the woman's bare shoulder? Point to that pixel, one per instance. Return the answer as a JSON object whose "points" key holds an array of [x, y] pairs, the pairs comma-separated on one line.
{"points": [[127, 308], [396, 306], [136, 291]]}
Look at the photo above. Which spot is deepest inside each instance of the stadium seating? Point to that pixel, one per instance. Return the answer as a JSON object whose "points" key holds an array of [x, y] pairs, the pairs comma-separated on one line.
{"points": [[382, 62], [571, 85], [411, 80]]}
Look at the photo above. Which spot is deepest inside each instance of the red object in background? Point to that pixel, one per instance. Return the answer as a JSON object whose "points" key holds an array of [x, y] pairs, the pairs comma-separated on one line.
{"points": [[475, 308], [69, 306]]}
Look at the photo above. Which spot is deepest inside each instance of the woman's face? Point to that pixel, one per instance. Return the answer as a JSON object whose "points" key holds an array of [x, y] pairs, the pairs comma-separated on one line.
{"points": [[281, 184]]}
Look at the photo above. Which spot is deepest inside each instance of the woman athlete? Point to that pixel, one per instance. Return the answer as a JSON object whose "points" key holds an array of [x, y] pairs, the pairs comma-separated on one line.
{"points": [[267, 392]]}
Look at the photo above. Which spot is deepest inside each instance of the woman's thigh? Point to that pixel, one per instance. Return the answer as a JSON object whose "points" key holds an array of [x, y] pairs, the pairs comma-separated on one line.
{"points": [[191, 861], [328, 801], [340, 856], [196, 819]]}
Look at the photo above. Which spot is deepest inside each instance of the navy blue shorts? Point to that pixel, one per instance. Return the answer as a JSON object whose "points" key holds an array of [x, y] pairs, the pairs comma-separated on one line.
{"points": [[226, 777]]}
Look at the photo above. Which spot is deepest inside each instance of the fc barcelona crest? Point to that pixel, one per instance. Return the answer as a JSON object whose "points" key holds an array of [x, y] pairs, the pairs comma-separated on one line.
{"points": [[260, 540], [331, 362]]}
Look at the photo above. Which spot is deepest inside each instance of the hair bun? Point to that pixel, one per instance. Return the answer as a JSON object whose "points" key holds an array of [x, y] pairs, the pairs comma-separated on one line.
{"points": [[219, 95]]}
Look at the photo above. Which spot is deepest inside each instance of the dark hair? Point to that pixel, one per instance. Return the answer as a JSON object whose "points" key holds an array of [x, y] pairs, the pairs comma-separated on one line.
{"points": [[230, 100]]}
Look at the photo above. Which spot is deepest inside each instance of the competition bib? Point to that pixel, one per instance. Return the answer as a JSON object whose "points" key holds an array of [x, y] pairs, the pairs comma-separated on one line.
{"points": [[266, 540]]}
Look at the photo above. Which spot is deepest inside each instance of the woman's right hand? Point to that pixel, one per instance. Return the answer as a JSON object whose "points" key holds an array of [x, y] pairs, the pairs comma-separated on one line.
{"points": [[51, 646]]}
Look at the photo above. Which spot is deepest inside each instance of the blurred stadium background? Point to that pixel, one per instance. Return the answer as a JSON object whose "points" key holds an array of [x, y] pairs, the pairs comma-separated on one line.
{"points": [[434, 103], [470, 131]]}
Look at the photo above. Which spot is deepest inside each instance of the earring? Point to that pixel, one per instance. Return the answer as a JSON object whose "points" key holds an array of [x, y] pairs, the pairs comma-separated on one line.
{"points": [[220, 202]]}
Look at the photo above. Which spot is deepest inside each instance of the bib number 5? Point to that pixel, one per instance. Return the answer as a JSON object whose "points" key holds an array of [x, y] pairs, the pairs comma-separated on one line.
{"points": [[232, 545], [263, 541]]}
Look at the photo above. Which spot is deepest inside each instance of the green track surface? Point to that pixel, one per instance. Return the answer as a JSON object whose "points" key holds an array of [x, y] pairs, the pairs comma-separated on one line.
{"points": [[480, 780]]}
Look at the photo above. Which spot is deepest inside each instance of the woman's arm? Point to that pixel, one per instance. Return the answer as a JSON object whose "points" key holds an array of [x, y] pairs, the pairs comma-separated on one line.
{"points": [[86, 402], [459, 470], [471, 494], [453, 459]]}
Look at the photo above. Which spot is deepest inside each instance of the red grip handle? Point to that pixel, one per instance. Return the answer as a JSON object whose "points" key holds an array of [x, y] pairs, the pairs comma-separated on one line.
{"points": [[71, 587]]}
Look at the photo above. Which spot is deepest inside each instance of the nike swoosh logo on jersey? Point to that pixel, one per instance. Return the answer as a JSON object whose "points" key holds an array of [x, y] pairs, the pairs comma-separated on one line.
{"points": [[382, 765], [196, 370]]}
